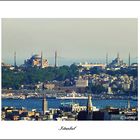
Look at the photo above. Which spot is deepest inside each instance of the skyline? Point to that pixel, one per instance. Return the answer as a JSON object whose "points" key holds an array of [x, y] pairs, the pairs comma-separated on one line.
{"points": [[95, 37]]}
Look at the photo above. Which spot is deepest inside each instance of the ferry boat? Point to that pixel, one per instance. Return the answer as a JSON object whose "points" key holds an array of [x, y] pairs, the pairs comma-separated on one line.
{"points": [[72, 95], [134, 98]]}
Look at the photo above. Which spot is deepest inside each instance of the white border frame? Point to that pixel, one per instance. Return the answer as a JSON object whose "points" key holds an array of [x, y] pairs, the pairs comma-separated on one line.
{"points": [[85, 129]]}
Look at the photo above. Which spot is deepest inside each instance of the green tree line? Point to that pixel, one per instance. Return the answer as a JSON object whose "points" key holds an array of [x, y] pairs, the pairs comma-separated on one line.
{"points": [[15, 78]]}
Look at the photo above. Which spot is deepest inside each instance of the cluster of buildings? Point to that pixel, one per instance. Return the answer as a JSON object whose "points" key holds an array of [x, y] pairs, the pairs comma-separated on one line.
{"points": [[112, 84], [69, 111], [120, 82]]}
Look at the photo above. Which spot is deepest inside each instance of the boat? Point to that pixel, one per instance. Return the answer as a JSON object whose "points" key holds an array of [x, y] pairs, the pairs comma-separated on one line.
{"points": [[72, 95], [134, 98], [65, 97]]}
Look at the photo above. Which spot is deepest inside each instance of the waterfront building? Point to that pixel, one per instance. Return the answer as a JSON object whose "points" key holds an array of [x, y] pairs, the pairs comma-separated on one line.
{"points": [[71, 107], [49, 86]]}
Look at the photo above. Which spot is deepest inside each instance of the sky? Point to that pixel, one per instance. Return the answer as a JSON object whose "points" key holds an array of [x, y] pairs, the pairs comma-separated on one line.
{"points": [[75, 40]]}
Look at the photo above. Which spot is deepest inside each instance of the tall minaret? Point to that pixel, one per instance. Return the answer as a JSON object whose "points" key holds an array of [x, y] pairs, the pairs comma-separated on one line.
{"points": [[129, 61], [118, 55], [106, 59], [118, 58], [15, 60], [55, 65], [41, 59], [44, 102], [89, 108], [128, 103]]}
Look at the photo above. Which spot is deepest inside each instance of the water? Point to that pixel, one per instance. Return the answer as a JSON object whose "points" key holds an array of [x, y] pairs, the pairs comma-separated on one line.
{"points": [[55, 103]]}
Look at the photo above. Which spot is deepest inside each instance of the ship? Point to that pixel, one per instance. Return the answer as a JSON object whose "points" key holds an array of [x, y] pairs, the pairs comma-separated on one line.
{"points": [[73, 95], [134, 98]]}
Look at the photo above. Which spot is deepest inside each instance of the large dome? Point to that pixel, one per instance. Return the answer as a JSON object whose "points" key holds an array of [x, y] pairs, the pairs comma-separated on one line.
{"points": [[36, 56]]}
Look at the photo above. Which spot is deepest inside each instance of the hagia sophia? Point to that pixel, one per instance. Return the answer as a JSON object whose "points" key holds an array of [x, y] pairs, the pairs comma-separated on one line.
{"points": [[36, 60]]}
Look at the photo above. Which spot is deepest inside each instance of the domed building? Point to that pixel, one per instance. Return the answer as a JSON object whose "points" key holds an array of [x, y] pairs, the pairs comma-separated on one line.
{"points": [[117, 62], [36, 61]]}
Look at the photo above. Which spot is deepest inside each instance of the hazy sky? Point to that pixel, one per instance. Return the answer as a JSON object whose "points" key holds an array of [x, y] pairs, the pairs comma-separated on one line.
{"points": [[74, 39]]}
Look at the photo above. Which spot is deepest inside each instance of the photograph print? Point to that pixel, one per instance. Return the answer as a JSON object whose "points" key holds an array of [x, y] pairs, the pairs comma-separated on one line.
{"points": [[69, 69]]}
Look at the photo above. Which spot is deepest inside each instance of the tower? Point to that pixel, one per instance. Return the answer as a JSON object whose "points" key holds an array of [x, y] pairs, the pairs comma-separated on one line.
{"points": [[107, 59], [55, 65], [129, 61], [89, 108], [41, 59], [118, 59], [118, 55], [109, 90], [44, 102], [128, 103], [15, 60]]}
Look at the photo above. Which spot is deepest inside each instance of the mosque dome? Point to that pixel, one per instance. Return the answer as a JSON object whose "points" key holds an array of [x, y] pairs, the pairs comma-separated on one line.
{"points": [[36, 56]]}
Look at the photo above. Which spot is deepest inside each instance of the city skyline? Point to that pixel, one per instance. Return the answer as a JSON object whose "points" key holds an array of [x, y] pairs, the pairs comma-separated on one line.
{"points": [[93, 38]]}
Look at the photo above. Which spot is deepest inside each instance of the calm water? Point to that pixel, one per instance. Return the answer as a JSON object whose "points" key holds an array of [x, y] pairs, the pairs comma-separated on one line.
{"points": [[55, 103]]}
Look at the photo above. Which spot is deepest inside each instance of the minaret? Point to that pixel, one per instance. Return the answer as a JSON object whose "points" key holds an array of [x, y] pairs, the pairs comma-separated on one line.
{"points": [[128, 103], [41, 59], [44, 102], [15, 60], [118, 55], [129, 61], [89, 108], [106, 59], [118, 58], [55, 65]]}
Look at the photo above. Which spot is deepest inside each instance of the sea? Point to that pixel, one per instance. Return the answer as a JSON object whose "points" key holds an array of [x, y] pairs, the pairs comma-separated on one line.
{"points": [[36, 103]]}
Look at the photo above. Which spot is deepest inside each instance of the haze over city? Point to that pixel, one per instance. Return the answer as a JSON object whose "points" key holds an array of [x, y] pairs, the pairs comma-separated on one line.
{"points": [[76, 40], [38, 86]]}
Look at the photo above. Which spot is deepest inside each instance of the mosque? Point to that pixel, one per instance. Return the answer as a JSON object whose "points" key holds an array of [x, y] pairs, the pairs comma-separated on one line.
{"points": [[36, 61]]}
